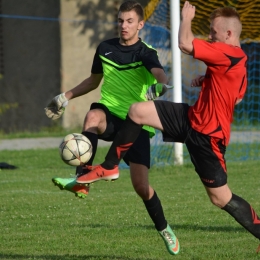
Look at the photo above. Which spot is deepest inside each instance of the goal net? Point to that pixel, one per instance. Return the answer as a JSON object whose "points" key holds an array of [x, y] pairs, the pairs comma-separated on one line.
{"points": [[245, 135]]}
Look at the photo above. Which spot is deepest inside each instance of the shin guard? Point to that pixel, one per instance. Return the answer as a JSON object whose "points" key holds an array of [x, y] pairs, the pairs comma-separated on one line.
{"points": [[244, 214]]}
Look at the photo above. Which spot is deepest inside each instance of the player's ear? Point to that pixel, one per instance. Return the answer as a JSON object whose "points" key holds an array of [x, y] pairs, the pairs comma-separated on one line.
{"points": [[141, 25], [229, 33]]}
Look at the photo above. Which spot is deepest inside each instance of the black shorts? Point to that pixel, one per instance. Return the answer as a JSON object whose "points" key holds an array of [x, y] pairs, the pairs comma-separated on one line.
{"points": [[206, 152], [139, 152]]}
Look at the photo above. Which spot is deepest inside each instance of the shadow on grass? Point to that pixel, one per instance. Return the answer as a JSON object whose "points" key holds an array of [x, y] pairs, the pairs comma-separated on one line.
{"points": [[209, 228], [67, 257], [175, 227]]}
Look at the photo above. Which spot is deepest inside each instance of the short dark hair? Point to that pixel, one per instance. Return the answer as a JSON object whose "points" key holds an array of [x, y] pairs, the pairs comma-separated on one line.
{"points": [[133, 5]]}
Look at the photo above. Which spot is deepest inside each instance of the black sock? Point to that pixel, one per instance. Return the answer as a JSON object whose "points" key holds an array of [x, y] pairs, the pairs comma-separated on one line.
{"points": [[155, 210], [244, 214], [93, 138], [124, 139]]}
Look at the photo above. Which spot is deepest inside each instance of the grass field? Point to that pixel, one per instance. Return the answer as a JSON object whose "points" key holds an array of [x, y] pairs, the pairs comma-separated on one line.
{"points": [[38, 221]]}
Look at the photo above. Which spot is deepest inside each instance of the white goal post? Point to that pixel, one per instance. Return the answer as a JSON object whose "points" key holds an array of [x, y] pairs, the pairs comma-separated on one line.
{"points": [[176, 69]]}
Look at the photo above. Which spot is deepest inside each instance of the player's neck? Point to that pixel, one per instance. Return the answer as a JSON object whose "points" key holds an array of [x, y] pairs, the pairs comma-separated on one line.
{"points": [[237, 43], [128, 42], [234, 42]]}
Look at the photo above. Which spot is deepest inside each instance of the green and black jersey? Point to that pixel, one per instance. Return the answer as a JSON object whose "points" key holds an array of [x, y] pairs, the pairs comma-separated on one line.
{"points": [[127, 74]]}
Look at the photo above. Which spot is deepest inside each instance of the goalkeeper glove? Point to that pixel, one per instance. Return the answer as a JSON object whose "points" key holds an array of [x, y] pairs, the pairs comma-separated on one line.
{"points": [[56, 107], [156, 90]]}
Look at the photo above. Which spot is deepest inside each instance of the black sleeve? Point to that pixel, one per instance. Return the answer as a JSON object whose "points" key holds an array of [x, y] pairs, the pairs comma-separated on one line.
{"points": [[150, 60], [97, 64]]}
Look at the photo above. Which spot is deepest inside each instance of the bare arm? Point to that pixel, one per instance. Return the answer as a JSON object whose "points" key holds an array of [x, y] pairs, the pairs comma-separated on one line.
{"points": [[87, 85], [159, 75], [186, 36]]}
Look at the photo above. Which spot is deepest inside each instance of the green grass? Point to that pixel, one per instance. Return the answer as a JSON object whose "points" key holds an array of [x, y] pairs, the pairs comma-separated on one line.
{"points": [[38, 221]]}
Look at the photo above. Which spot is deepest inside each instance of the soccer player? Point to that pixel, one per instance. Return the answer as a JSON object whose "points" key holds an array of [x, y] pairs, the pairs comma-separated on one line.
{"points": [[205, 126], [129, 66]]}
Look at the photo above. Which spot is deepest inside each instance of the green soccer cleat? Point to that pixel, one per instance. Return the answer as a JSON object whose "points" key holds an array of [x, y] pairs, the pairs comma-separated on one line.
{"points": [[71, 185], [170, 240]]}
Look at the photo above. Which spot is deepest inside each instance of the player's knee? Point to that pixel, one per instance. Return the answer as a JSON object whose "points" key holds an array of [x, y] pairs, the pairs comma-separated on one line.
{"points": [[142, 191], [92, 120], [93, 116], [134, 112], [218, 201], [214, 201]]}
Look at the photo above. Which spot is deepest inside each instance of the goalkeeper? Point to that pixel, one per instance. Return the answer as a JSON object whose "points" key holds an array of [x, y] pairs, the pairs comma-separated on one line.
{"points": [[205, 126], [129, 66]]}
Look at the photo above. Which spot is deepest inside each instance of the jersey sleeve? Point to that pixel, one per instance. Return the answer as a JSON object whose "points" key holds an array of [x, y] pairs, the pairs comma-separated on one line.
{"points": [[209, 53], [97, 67], [242, 89], [150, 60]]}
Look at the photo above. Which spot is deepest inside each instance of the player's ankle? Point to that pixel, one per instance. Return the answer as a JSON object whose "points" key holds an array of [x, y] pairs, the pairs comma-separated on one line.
{"points": [[107, 165]]}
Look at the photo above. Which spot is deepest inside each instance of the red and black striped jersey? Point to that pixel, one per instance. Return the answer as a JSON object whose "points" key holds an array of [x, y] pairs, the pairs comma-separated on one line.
{"points": [[225, 82]]}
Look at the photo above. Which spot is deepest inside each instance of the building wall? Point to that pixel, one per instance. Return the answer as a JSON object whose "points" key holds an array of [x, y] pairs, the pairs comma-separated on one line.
{"points": [[85, 24], [42, 56]]}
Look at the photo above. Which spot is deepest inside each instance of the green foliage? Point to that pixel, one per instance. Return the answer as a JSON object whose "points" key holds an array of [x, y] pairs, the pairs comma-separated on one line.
{"points": [[6, 106], [38, 221]]}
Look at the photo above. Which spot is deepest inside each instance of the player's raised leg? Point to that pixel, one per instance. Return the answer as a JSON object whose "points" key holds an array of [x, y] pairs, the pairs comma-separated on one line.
{"points": [[90, 124], [142, 113]]}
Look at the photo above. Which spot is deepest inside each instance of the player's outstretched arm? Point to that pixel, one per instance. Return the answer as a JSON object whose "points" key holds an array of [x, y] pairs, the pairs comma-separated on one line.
{"points": [[56, 106], [86, 86]]}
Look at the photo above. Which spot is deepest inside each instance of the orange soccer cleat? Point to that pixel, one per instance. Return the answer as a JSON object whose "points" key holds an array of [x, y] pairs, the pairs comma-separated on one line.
{"points": [[99, 173]]}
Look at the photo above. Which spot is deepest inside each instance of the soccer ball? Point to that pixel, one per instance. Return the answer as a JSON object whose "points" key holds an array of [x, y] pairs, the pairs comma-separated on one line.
{"points": [[75, 149]]}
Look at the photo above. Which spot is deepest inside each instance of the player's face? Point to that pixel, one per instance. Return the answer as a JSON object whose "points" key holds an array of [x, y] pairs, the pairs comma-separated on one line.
{"points": [[129, 26], [218, 31]]}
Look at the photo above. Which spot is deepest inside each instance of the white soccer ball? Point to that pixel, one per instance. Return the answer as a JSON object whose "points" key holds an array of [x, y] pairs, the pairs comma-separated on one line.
{"points": [[75, 149]]}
